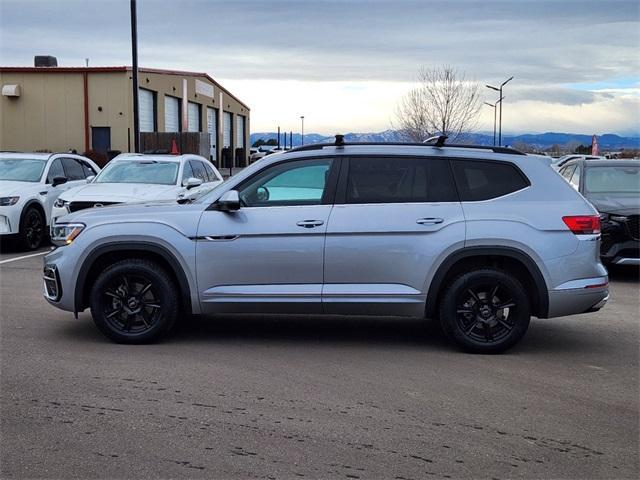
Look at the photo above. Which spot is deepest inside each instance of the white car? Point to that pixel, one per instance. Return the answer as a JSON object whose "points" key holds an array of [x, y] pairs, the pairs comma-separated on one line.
{"points": [[559, 162], [29, 185], [132, 177]]}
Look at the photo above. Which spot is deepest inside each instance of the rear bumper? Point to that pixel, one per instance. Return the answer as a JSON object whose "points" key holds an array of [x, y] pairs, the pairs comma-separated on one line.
{"points": [[578, 296]]}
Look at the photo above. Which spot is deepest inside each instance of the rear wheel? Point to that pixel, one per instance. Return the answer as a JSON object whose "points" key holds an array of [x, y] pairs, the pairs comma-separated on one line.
{"points": [[485, 311], [32, 229], [134, 301]]}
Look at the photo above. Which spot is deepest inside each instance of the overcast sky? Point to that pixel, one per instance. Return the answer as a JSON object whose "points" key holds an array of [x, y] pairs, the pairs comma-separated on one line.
{"points": [[345, 64]]}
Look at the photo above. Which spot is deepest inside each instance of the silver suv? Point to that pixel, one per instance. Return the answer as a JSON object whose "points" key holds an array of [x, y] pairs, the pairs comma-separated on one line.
{"points": [[479, 238]]}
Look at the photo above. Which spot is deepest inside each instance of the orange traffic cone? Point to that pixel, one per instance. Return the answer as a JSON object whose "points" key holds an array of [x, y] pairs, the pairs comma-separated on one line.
{"points": [[174, 148]]}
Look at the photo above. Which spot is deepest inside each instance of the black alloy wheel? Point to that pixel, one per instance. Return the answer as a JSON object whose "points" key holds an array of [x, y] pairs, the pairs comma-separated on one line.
{"points": [[32, 229], [134, 301], [485, 311]]}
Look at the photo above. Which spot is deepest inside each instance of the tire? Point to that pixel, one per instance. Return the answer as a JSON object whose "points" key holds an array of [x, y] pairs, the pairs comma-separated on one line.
{"points": [[485, 311], [32, 229], [134, 301]]}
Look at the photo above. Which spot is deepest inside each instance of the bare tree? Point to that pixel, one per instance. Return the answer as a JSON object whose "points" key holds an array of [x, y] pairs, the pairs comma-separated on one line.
{"points": [[444, 102]]}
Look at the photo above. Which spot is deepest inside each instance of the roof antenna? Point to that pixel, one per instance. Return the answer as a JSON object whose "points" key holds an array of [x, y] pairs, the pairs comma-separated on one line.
{"points": [[438, 139], [339, 140]]}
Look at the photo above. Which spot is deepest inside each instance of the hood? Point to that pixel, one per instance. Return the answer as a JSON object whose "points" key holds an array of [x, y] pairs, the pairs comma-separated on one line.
{"points": [[10, 188], [121, 192], [619, 204]]}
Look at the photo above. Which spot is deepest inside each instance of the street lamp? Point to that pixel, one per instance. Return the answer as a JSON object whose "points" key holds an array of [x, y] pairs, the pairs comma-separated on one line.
{"points": [[134, 76], [494, 105], [499, 89], [302, 136]]}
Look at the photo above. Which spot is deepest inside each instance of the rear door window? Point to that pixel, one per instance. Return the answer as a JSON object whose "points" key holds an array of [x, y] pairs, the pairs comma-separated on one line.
{"points": [[483, 180], [399, 180], [187, 172], [198, 170]]}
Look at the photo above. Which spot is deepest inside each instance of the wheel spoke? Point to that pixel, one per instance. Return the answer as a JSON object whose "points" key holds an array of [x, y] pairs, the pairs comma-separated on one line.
{"points": [[145, 319], [153, 305], [504, 305], [112, 294], [470, 329], [473, 294], [464, 310], [144, 290], [506, 325], [127, 325], [112, 313], [493, 293], [126, 283], [487, 333]]}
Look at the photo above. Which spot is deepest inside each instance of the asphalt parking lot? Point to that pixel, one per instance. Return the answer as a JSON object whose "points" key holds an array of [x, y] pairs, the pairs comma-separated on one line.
{"points": [[276, 397]]}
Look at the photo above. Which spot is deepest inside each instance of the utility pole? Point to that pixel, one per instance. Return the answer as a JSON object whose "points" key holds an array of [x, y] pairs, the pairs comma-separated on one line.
{"points": [[499, 89], [494, 106], [302, 136], [134, 74]]}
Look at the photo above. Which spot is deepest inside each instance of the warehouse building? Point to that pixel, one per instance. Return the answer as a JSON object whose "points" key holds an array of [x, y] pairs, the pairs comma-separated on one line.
{"points": [[91, 108]]}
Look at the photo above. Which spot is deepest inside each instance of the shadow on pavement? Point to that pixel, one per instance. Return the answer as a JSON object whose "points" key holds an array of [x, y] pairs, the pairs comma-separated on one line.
{"points": [[624, 273]]}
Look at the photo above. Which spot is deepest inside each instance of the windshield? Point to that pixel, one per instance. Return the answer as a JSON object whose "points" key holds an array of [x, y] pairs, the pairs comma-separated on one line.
{"points": [[21, 169], [136, 171], [613, 179]]}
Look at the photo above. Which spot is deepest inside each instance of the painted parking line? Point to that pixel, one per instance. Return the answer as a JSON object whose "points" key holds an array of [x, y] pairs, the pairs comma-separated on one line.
{"points": [[15, 259]]}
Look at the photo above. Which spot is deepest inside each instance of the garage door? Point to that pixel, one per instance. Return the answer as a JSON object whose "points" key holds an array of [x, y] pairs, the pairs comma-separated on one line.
{"points": [[147, 110], [212, 128], [240, 132], [226, 136], [171, 114], [194, 117]]}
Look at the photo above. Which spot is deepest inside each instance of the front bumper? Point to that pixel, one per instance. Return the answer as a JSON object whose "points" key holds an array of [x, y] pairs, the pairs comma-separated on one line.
{"points": [[58, 281], [10, 219], [620, 244], [56, 213]]}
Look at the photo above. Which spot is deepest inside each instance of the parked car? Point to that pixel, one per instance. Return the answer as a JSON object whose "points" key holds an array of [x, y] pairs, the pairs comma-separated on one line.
{"points": [[262, 152], [559, 162], [481, 238], [29, 185], [613, 187], [131, 177]]}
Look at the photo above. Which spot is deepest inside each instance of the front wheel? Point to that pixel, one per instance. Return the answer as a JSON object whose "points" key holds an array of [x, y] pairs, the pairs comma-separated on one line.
{"points": [[485, 311], [32, 229], [134, 301]]}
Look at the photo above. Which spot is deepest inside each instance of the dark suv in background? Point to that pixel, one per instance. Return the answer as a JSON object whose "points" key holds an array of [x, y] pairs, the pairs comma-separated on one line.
{"points": [[613, 187]]}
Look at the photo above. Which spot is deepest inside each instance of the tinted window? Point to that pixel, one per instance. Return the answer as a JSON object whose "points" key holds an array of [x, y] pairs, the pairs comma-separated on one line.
{"points": [[620, 179], [291, 183], [567, 172], [482, 180], [55, 170], [187, 172], [399, 180], [73, 169], [210, 173], [198, 170]]}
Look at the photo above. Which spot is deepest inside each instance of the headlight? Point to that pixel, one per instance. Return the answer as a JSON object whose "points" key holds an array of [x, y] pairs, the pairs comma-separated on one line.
{"points": [[60, 203], [65, 233], [8, 201]]}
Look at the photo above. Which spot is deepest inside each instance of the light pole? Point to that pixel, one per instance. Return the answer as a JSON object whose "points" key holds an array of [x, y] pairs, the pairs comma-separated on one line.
{"points": [[501, 97], [302, 135], [134, 75], [494, 105]]}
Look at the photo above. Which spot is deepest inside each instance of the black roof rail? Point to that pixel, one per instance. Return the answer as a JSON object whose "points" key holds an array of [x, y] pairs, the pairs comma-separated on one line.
{"points": [[439, 143]]}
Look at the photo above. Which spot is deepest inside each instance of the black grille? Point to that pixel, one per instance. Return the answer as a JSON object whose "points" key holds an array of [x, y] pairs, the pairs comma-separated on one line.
{"points": [[75, 206], [633, 226]]}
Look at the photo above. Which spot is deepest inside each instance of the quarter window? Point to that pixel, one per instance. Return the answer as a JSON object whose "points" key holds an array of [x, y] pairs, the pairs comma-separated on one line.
{"points": [[292, 183], [575, 178], [74, 169], [399, 180], [483, 180]]}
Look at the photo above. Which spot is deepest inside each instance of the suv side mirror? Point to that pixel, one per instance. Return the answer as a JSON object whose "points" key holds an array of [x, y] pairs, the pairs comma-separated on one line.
{"points": [[58, 181], [90, 178], [192, 182], [229, 201]]}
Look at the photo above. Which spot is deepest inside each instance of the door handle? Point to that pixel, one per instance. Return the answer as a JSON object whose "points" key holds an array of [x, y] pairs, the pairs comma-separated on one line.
{"points": [[310, 223], [429, 221]]}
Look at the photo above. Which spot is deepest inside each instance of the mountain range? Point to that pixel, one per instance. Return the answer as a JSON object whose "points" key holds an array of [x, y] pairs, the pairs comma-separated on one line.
{"points": [[608, 141]]}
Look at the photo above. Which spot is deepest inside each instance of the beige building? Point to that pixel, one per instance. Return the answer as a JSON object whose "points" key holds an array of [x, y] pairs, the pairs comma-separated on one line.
{"points": [[91, 108]]}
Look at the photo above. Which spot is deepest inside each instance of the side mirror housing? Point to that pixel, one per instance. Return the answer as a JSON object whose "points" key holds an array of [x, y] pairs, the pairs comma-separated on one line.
{"points": [[229, 201], [90, 178], [192, 182], [58, 181]]}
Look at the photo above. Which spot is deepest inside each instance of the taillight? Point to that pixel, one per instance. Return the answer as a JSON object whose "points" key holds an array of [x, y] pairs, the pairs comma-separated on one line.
{"points": [[583, 224]]}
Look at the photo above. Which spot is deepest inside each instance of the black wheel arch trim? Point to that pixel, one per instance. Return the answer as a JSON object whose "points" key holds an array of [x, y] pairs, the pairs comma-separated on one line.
{"points": [[33, 203], [514, 253], [177, 270]]}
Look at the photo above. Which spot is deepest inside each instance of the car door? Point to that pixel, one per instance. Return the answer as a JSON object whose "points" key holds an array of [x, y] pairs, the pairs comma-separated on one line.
{"points": [[268, 255], [393, 218]]}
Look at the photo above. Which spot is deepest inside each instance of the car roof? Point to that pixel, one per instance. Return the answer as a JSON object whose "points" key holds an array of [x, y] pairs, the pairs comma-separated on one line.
{"points": [[25, 155], [154, 156]]}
